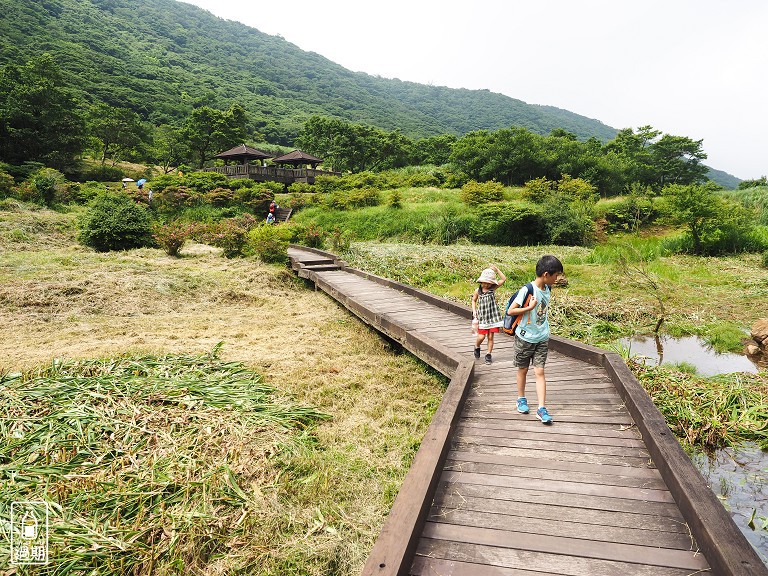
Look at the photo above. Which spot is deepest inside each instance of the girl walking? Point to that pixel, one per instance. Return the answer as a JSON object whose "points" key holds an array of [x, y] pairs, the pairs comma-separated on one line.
{"points": [[486, 310]]}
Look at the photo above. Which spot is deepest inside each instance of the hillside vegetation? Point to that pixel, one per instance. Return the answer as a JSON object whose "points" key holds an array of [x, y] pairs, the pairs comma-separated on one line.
{"points": [[162, 58]]}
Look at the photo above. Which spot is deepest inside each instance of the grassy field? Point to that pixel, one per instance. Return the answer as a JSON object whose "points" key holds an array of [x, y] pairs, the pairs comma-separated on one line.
{"points": [[302, 497]]}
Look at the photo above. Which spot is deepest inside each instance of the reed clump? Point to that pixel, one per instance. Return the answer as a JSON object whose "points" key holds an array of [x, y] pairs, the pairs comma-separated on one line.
{"points": [[709, 413]]}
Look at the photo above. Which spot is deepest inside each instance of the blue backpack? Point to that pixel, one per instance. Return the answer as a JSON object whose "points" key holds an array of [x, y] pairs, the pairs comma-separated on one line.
{"points": [[511, 322]]}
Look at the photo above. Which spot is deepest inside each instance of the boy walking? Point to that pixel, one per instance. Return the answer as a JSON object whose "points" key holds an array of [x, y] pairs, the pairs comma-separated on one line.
{"points": [[532, 334]]}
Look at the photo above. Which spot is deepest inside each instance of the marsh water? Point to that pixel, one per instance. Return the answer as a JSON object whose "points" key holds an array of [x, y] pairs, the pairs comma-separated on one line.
{"points": [[691, 350], [738, 476]]}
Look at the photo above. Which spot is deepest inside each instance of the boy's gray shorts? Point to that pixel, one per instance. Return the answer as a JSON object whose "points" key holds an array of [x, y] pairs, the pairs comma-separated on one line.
{"points": [[525, 352]]}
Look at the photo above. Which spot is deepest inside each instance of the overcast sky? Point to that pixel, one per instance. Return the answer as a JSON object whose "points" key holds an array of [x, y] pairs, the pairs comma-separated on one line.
{"points": [[696, 68]]}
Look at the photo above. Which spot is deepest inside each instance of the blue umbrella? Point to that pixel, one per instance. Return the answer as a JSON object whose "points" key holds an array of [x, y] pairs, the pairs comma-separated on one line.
{"points": [[140, 182]]}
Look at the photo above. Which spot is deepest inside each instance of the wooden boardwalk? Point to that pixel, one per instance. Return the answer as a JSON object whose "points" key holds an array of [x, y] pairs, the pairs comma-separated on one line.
{"points": [[605, 490]]}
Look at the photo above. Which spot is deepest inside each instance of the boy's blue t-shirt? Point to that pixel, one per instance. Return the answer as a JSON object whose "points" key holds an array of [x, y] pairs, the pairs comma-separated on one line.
{"points": [[534, 325]]}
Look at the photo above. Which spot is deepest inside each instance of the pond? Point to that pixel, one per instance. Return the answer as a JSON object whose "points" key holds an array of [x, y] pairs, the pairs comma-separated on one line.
{"points": [[739, 478], [690, 349]]}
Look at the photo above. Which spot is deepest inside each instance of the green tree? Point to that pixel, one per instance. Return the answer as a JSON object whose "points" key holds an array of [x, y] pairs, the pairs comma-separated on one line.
{"points": [[40, 119], [677, 160], [168, 147], [116, 132], [634, 151], [714, 224], [208, 130], [744, 184], [434, 150]]}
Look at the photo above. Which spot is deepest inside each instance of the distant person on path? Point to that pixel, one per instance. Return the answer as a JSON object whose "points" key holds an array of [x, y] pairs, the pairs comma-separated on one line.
{"points": [[270, 218], [486, 310], [532, 334], [273, 207]]}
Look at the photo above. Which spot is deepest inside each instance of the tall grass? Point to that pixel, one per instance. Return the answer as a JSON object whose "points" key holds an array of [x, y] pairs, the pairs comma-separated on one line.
{"points": [[755, 198]]}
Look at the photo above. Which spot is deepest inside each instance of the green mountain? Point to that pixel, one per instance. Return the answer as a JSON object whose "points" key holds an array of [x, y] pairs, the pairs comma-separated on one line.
{"points": [[727, 181], [161, 58]]}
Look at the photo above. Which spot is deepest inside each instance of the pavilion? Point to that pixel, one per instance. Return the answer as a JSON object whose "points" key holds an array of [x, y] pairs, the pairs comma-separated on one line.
{"points": [[298, 158], [243, 154]]}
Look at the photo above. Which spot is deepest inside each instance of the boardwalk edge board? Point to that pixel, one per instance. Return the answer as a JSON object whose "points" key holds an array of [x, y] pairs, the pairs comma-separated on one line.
{"points": [[725, 547]]}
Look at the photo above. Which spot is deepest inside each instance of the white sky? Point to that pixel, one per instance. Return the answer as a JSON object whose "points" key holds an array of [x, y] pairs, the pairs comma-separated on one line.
{"points": [[696, 68]]}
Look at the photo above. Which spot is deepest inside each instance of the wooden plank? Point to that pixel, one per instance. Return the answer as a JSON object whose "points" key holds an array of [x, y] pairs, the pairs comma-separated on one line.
{"points": [[552, 444], [490, 482], [592, 477], [628, 553], [637, 534], [515, 452], [544, 433], [445, 504], [520, 561], [606, 430], [533, 495]]}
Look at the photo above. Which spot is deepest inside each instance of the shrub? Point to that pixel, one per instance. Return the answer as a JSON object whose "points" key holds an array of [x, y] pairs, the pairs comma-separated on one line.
{"points": [[346, 199], [171, 237], [229, 235], [6, 184], [172, 199], [764, 259], [475, 193], [715, 224], [308, 235], [202, 182], [568, 222], [626, 214], [84, 193], [538, 189], [301, 188], [98, 173], [298, 201], [341, 240], [46, 184], [327, 184], [255, 199], [577, 189], [115, 222], [508, 225], [166, 181], [396, 199], [270, 243], [220, 197]]}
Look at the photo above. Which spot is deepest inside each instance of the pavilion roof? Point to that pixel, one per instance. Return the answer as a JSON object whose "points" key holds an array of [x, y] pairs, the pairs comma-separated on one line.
{"points": [[243, 151], [297, 157]]}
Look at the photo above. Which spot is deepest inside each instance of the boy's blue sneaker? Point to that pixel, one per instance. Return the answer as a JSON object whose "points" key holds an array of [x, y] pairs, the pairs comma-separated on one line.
{"points": [[543, 415], [522, 405]]}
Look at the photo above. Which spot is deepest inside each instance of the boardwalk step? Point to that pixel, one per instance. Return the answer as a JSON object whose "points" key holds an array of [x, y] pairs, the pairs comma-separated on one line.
{"points": [[282, 214], [322, 267]]}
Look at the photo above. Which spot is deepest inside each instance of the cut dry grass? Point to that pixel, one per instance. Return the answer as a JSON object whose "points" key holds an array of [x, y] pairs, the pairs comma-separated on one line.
{"points": [[324, 495]]}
